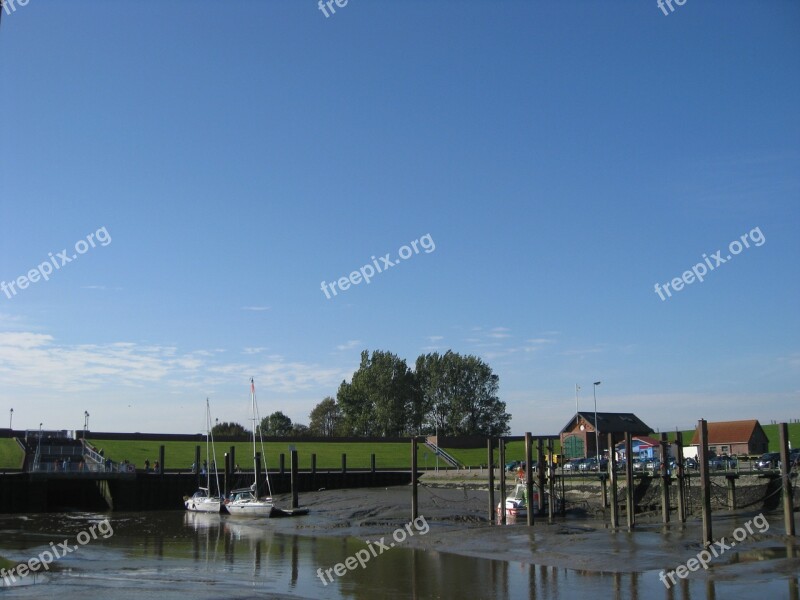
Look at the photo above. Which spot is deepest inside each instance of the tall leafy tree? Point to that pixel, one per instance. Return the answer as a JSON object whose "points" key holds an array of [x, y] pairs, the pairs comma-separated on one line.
{"points": [[276, 425], [325, 418], [231, 429], [379, 399], [459, 395]]}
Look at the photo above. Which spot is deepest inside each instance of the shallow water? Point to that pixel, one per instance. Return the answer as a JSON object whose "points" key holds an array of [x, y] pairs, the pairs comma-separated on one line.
{"points": [[176, 555]]}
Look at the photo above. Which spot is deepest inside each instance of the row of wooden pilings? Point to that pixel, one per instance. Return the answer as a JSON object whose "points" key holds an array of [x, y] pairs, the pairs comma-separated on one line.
{"points": [[229, 468], [610, 480]]}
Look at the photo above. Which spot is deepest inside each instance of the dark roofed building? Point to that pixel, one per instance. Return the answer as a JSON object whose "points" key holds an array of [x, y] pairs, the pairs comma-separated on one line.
{"points": [[578, 436], [734, 437]]}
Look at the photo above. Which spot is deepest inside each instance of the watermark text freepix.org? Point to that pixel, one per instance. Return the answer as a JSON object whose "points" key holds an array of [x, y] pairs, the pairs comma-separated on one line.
{"points": [[329, 4], [56, 551], [8, 5], [368, 271], [704, 556], [45, 269], [700, 270], [374, 549], [669, 3]]}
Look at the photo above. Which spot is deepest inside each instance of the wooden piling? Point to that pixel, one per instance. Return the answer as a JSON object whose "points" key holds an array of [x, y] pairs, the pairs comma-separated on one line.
{"points": [[529, 477], [225, 471], [258, 470], [612, 476], [282, 463], [372, 463], [681, 476], [502, 481], [540, 473], [414, 505], [161, 457], [665, 478], [731, 491], [232, 458], [294, 480], [551, 484], [490, 450], [197, 464], [705, 482], [630, 506], [344, 462], [314, 463], [788, 515]]}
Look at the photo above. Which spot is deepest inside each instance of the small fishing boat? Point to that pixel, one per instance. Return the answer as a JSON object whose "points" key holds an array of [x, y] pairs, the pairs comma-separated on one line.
{"points": [[517, 502], [245, 502], [203, 500]]}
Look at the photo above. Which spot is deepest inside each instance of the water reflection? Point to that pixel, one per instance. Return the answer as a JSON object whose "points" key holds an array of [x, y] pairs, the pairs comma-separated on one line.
{"points": [[172, 555]]}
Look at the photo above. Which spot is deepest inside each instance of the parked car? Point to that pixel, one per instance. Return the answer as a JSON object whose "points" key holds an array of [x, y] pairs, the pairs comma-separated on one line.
{"points": [[512, 465], [573, 465], [768, 460], [794, 458], [722, 462], [691, 463], [588, 464]]}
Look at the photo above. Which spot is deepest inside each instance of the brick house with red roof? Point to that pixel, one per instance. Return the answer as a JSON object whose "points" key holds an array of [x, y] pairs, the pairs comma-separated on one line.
{"points": [[734, 437]]}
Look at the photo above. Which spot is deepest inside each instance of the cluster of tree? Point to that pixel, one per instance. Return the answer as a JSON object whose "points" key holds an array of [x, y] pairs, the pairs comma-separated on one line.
{"points": [[449, 393], [275, 425]]}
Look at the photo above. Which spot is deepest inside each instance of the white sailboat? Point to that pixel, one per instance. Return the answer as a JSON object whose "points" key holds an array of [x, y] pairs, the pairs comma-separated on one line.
{"points": [[202, 500], [245, 502]]}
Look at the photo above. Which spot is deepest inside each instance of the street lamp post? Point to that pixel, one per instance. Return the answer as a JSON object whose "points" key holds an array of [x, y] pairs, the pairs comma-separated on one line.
{"points": [[10, 418], [596, 432], [85, 423]]}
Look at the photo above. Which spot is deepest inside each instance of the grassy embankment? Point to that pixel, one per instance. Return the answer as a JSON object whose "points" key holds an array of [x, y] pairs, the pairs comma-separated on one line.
{"points": [[11, 454], [180, 455]]}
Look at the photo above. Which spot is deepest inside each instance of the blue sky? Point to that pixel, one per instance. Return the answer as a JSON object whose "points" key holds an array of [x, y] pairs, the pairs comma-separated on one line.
{"points": [[564, 157]]}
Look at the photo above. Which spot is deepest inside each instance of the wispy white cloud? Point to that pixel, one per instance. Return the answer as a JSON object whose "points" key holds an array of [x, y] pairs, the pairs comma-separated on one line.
{"points": [[258, 350], [435, 338], [348, 345], [256, 308]]}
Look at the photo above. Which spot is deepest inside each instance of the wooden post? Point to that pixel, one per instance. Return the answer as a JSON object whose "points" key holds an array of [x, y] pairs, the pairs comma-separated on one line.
{"points": [[294, 480], [502, 481], [604, 485], [529, 477], [731, 491], [344, 462], [197, 464], [705, 482], [490, 450], [540, 473], [631, 508], [232, 454], [282, 463], [612, 475], [314, 463], [414, 506], [258, 470], [551, 484], [681, 478], [161, 465], [665, 478], [788, 516], [372, 463], [225, 474]]}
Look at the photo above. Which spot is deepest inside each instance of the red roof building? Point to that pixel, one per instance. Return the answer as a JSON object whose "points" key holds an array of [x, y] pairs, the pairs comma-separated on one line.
{"points": [[734, 437]]}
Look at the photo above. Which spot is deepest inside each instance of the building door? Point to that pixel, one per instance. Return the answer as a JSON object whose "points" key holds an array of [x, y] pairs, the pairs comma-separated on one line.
{"points": [[573, 447]]}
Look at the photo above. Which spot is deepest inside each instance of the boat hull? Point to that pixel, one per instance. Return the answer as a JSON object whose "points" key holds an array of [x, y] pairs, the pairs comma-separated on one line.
{"points": [[250, 509], [203, 505]]}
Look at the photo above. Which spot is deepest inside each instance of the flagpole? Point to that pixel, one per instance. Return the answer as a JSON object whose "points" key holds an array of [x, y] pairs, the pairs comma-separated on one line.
{"points": [[577, 387]]}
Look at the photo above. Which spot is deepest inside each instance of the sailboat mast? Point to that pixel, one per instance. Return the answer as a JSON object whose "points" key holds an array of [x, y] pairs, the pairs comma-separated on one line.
{"points": [[255, 465], [208, 449]]}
